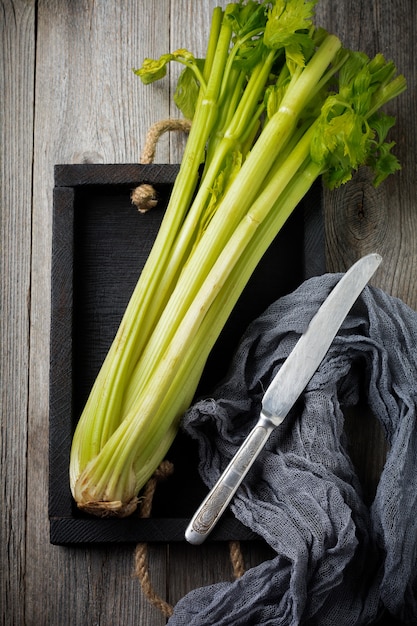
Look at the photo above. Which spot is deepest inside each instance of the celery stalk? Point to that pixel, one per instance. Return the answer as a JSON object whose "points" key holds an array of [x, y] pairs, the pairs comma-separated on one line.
{"points": [[148, 297], [316, 109]]}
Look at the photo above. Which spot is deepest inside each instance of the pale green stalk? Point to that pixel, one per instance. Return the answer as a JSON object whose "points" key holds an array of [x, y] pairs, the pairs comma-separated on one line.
{"points": [[150, 425], [230, 142], [205, 277], [231, 210], [281, 174], [101, 415], [167, 393], [280, 128]]}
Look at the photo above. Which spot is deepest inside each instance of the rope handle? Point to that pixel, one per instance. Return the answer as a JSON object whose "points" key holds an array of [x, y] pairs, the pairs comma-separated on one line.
{"points": [[141, 552], [144, 197]]}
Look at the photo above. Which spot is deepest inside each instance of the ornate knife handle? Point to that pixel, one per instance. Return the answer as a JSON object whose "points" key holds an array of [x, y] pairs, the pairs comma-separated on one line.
{"points": [[223, 491]]}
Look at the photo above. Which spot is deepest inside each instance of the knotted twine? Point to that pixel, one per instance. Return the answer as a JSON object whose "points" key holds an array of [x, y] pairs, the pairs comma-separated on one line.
{"points": [[141, 552], [337, 561], [163, 472], [144, 197]]}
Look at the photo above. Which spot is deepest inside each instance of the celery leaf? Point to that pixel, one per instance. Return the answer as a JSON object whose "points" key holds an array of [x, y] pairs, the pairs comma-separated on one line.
{"points": [[248, 24], [287, 26], [381, 160], [187, 90], [155, 69]]}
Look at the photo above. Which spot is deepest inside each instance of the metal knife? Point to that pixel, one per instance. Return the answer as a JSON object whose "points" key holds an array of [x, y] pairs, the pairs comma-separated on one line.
{"points": [[284, 390]]}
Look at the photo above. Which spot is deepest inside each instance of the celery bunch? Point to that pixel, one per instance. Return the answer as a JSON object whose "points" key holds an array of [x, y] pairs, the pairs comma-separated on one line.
{"points": [[275, 104]]}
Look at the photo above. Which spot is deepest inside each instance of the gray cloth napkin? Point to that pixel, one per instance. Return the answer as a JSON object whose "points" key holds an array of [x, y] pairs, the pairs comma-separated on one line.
{"points": [[338, 561]]}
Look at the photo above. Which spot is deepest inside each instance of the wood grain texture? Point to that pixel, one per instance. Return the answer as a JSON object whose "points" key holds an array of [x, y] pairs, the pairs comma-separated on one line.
{"points": [[360, 218], [68, 96], [17, 27]]}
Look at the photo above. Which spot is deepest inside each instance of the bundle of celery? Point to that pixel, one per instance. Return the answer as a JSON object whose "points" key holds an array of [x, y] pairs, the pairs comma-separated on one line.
{"points": [[276, 103]]}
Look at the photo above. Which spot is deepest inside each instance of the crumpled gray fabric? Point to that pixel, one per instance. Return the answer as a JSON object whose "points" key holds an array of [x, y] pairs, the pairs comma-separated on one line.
{"points": [[338, 561]]}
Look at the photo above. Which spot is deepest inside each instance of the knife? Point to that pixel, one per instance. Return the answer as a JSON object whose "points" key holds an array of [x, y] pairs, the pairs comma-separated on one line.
{"points": [[284, 390]]}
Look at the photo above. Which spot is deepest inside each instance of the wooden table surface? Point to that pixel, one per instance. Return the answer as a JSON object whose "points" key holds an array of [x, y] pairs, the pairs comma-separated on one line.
{"points": [[68, 95]]}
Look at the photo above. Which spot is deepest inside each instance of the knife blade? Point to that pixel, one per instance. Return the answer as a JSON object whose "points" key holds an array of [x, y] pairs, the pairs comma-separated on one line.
{"points": [[284, 390]]}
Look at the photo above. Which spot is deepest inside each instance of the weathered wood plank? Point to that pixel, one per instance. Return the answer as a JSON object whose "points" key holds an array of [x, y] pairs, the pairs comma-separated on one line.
{"points": [[17, 44], [359, 218], [191, 567]]}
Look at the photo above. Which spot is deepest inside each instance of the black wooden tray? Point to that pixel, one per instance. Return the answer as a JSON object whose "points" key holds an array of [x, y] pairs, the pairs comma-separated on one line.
{"points": [[100, 244]]}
